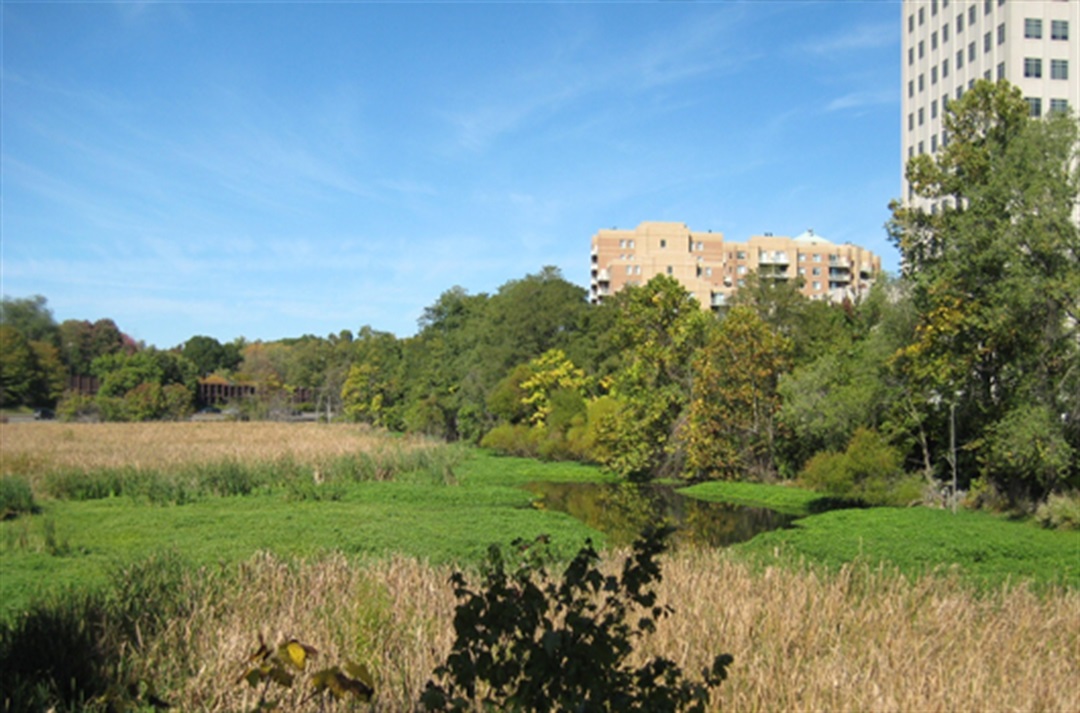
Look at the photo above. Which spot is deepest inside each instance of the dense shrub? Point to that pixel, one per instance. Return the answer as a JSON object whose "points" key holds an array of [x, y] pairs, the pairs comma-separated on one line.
{"points": [[525, 642], [16, 497], [868, 471], [1060, 511]]}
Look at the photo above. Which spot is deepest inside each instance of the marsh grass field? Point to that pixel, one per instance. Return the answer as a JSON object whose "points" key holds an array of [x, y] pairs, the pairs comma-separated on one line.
{"points": [[159, 553]]}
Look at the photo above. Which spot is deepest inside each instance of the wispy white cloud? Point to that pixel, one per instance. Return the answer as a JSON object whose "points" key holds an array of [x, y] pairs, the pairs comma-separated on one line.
{"points": [[862, 99], [854, 39]]}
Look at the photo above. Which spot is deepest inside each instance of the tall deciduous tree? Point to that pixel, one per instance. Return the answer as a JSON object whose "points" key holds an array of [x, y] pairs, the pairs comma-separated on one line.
{"points": [[995, 269], [731, 433], [659, 328]]}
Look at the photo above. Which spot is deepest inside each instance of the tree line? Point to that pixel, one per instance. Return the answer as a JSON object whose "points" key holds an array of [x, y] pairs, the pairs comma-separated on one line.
{"points": [[962, 374]]}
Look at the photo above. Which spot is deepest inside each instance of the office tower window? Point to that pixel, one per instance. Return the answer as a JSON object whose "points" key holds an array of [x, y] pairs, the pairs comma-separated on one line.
{"points": [[944, 68], [987, 42], [922, 83], [1034, 106], [911, 88], [911, 23], [911, 56], [933, 143], [971, 15], [959, 60], [910, 154], [933, 7], [944, 102], [922, 15], [971, 84], [986, 75], [945, 32], [911, 122], [1059, 69], [959, 92], [959, 23], [1059, 30], [1001, 71], [988, 5], [971, 52], [921, 150], [922, 49], [1032, 67], [1032, 28], [1059, 106], [944, 4], [944, 139], [1001, 34], [933, 109], [921, 115], [933, 75], [933, 40]]}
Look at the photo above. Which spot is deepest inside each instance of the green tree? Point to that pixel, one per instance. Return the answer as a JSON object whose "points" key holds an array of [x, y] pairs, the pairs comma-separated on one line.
{"points": [[732, 428], [659, 328], [995, 274], [209, 355], [18, 369], [31, 317]]}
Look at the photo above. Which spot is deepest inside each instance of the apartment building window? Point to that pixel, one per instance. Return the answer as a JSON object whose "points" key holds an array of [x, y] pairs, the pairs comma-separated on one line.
{"points": [[921, 116], [1034, 106], [959, 92], [910, 122], [1001, 71], [911, 56], [945, 32], [1059, 30], [1032, 67], [971, 84], [740, 270], [944, 102], [971, 15], [922, 49], [911, 23], [1059, 106], [922, 16], [1001, 34], [988, 5], [986, 75], [987, 42], [921, 149], [933, 109], [1032, 28], [944, 4], [910, 154], [1059, 69], [971, 52], [629, 269], [933, 40], [817, 285], [959, 60], [944, 68], [922, 84], [630, 244], [933, 143], [670, 270], [816, 271], [911, 88], [817, 256], [663, 243], [740, 254], [933, 7], [959, 23], [622, 244], [944, 139], [933, 75]]}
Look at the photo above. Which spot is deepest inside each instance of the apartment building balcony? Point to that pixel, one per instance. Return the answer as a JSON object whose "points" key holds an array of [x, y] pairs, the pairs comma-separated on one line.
{"points": [[717, 300], [777, 257], [839, 275], [602, 277], [839, 261]]}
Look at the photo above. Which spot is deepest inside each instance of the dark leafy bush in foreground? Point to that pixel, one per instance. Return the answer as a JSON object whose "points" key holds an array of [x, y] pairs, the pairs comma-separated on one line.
{"points": [[525, 642]]}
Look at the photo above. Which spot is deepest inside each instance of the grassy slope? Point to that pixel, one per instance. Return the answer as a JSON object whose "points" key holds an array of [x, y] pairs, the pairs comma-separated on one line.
{"points": [[785, 499], [438, 523]]}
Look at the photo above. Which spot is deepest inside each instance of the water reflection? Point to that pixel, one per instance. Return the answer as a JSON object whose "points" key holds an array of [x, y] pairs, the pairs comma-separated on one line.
{"points": [[622, 510]]}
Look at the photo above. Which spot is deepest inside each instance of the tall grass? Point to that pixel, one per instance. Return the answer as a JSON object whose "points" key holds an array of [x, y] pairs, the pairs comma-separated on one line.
{"points": [[862, 638], [177, 463]]}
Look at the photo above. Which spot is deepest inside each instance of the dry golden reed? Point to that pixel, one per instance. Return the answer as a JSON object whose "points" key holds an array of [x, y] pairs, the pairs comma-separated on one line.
{"points": [[858, 640], [30, 449]]}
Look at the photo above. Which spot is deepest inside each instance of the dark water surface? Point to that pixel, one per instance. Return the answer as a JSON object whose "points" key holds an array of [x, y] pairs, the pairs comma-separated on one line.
{"points": [[621, 511]]}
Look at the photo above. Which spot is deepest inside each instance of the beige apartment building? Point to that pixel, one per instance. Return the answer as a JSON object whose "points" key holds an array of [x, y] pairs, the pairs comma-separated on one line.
{"points": [[712, 268], [949, 44]]}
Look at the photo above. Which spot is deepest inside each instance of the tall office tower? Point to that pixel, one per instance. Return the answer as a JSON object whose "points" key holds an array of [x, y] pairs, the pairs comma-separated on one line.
{"points": [[712, 269], [949, 44]]}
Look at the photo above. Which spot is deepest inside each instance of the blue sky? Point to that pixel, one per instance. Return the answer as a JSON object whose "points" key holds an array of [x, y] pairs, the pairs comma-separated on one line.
{"points": [[269, 170]]}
